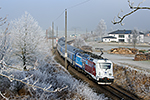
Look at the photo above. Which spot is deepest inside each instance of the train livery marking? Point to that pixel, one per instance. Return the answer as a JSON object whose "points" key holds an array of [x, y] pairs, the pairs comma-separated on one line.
{"points": [[99, 68]]}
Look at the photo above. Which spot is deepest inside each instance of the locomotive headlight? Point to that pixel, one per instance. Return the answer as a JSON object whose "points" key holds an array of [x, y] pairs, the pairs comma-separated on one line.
{"points": [[110, 74]]}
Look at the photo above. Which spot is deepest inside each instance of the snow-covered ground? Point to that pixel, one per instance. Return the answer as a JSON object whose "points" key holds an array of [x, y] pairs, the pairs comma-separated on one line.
{"points": [[128, 60], [122, 59], [108, 46]]}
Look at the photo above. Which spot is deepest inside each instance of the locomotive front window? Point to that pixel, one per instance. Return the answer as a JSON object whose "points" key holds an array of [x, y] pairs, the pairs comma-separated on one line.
{"points": [[105, 65]]}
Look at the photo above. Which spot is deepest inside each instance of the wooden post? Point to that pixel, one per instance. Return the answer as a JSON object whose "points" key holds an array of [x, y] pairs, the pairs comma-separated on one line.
{"points": [[66, 38], [52, 37]]}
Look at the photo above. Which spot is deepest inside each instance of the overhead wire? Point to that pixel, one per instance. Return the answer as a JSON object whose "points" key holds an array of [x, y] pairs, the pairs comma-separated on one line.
{"points": [[60, 15], [78, 4], [71, 8]]}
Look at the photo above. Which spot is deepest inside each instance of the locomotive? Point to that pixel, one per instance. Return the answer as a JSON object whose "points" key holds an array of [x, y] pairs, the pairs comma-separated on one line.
{"points": [[97, 67]]}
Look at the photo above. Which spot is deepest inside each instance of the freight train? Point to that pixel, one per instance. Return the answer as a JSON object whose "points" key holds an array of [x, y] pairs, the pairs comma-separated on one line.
{"points": [[97, 67]]}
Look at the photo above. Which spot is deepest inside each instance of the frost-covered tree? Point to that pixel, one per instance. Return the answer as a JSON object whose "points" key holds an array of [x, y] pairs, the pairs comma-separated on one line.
{"points": [[26, 34], [79, 42], [5, 45], [3, 20], [135, 35], [86, 36], [101, 28], [49, 32]]}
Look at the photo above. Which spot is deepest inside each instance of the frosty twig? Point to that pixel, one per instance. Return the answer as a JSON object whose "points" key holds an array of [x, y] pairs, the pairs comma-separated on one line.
{"points": [[134, 10]]}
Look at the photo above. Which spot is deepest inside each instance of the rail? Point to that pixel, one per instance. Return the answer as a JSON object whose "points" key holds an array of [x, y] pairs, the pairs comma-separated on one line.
{"points": [[124, 95]]}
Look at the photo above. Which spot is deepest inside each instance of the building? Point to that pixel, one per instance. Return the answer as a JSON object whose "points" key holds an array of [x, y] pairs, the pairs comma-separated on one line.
{"points": [[109, 39], [148, 34], [122, 36]]}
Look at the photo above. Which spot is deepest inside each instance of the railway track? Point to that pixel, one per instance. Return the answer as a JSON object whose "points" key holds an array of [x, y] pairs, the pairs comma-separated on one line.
{"points": [[120, 94], [127, 96], [113, 91]]}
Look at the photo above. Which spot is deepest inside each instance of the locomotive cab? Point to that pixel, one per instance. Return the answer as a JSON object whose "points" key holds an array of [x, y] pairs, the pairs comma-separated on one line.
{"points": [[104, 72]]}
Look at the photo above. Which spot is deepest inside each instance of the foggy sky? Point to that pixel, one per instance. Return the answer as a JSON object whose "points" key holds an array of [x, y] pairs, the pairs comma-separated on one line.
{"points": [[81, 17]]}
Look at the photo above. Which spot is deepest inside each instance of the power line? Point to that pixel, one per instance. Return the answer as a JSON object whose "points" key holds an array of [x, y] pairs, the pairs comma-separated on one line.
{"points": [[60, 15], [78, 4], [71, 7]]}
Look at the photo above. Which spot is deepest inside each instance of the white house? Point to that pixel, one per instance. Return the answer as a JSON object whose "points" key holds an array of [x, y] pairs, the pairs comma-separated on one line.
{"points": [[109, 39], [122, 36]]}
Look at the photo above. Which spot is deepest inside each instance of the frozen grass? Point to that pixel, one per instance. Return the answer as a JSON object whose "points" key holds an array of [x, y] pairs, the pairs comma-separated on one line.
{"points": [[47, 73], [133, 80]]}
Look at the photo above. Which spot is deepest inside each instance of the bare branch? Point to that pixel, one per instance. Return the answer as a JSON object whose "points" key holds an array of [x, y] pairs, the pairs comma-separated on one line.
{"points": [[33, 86], [131, 7], [3, 20], [122, 18], [3, 96], [3, 63], [11, 78]]}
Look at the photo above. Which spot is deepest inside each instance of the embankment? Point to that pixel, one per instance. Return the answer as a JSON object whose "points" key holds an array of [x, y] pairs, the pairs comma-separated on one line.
{"points": [[133, 80]]}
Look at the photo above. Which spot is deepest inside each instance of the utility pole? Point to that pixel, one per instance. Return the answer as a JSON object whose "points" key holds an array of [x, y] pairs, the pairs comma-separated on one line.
{"points": [[66, 38], [46, 34], [57, 32], [75, 33], [56, 36], [52, 37]]}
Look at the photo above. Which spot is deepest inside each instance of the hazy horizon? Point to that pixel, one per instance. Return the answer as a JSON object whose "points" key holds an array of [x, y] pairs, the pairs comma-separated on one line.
{"points": [[82, 14]]}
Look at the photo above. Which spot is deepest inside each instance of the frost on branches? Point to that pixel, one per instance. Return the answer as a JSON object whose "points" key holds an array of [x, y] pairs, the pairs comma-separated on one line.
{"points": [[26, 35], [101, 28], [48, 80], [5, 45], [79, 42]]}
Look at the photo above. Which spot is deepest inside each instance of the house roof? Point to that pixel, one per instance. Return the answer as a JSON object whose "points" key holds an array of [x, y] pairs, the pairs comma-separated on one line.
{"points": [[123, 32], [110, 37], [141, 33]]}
